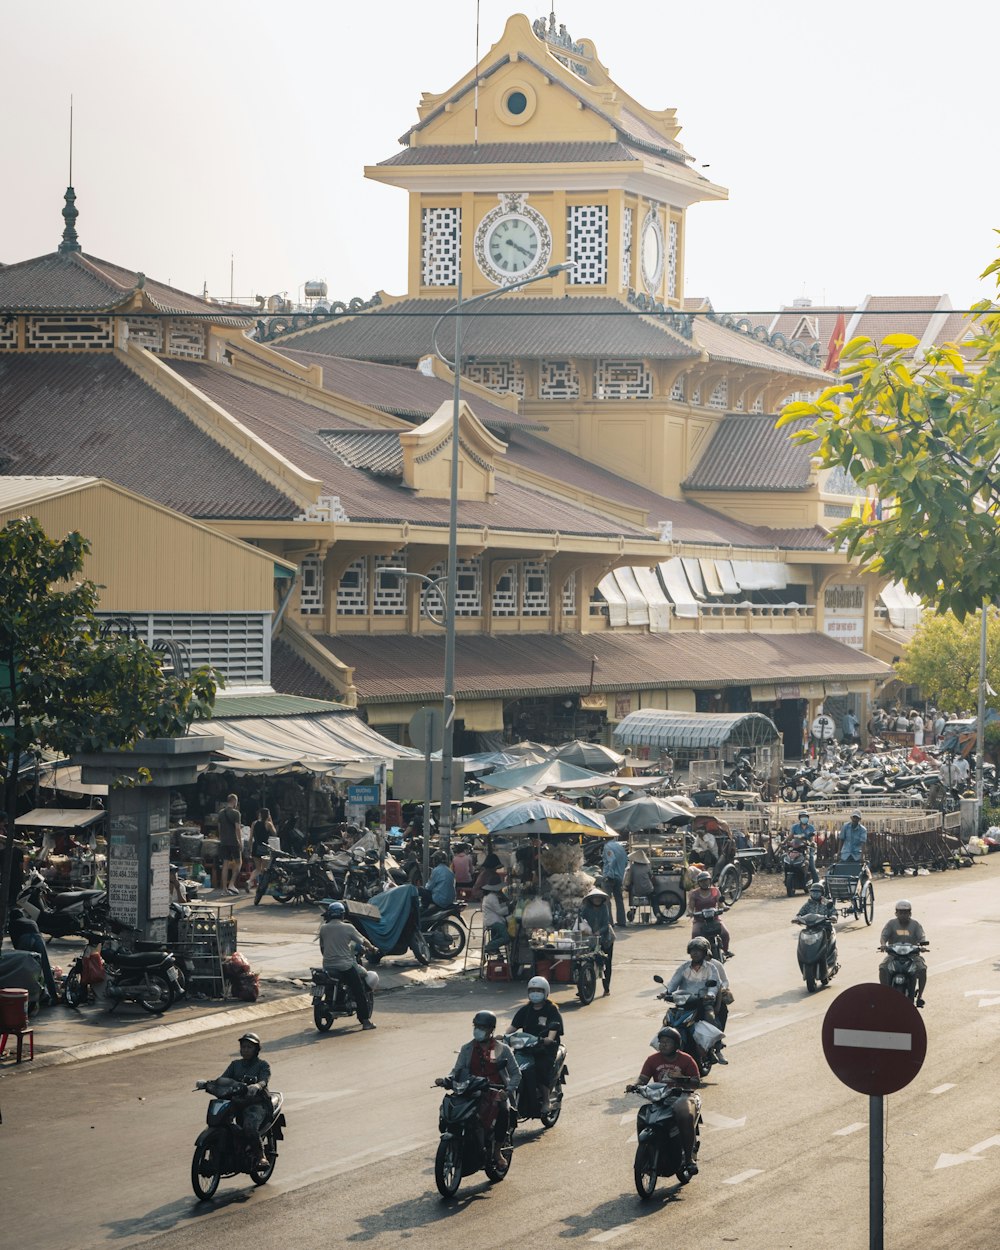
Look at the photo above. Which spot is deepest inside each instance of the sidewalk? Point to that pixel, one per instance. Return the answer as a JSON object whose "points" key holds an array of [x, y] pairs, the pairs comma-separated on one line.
{"points": [[277, 942]]}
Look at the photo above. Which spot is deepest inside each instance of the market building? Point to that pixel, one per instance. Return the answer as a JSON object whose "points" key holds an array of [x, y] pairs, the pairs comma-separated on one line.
{"points": [[633, 533]]}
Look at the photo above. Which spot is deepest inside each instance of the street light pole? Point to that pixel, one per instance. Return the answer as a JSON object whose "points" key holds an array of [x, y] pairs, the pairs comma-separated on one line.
{"points": [[451, 577]]}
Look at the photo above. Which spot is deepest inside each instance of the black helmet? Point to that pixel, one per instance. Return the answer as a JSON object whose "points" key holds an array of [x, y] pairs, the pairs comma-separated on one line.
{"points": [[816, 889], [485, 1020], [699, 944], [669, 1031], [252, 1038]]}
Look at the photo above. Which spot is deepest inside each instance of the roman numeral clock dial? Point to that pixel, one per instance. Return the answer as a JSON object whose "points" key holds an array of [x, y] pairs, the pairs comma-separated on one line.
{"points": [[512, 241]]}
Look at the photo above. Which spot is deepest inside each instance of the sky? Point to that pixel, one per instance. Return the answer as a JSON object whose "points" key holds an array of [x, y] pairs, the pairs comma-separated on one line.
{"points": [[855, 138]]}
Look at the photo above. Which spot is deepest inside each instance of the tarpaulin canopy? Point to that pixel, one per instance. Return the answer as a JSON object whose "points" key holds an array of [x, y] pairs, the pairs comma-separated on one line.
{"points": [[647, 812], [316, 743], [59, 818], [545, 817], [592, 755], [692, 730], [549, 775]]}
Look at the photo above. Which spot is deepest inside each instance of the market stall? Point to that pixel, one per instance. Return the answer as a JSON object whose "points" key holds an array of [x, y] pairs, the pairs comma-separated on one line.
{"points": [[70, 844]]}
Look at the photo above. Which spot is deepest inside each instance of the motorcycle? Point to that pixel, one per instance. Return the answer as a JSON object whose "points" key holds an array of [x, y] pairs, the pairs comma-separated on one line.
{"points": [[711, 930], [465, 1147], [396, 929], [817, 949], [444, 929], [699, 1038], [659, 1152], [70, 913], [525, 1046], [333, 996], [795, 865], [150, 978], [221, 1148], [291, 878], [902, 972]]}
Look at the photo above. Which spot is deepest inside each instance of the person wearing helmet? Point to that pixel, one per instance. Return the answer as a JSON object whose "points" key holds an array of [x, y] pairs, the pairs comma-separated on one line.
{"points": [[806, 830], [853, 837], [254, 1073], [904, 929], [340, 942], [595, 913], [818, 903], [440, 891], [706, 895], [487, 1056], [669, 1064], [693, 977], [540, 1017]]}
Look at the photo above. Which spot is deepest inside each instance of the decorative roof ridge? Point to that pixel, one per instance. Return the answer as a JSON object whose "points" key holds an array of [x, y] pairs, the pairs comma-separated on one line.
{"points": [[807, 354], [281, 324], [655, 310]]}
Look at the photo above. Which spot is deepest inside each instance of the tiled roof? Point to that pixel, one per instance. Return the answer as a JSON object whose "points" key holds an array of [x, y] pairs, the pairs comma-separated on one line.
{"points": [[808, 538], [90, 415], [74, 281], [401, 391], [556, 153], [746, 452], [524, 326], [390, 667], [229, 707], [881, 316], [734, 347], [822, 319], [377, 451], [290, 674]]}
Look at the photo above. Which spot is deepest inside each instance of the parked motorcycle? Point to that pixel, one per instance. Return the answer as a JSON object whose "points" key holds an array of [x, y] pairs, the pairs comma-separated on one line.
{"points": [[292, 878], [397, 927], [525, 1047], [711, 930], [795, 865], [817, 949], [444, 929], [659, 1152], [902, 970], [333, 996], [222, 1149], [465, 1148], [149, 978], [686, 1013], [69, 913]]}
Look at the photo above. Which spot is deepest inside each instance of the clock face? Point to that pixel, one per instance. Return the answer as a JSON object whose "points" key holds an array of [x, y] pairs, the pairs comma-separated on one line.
{"points": [[513, 245], [652, 252]]}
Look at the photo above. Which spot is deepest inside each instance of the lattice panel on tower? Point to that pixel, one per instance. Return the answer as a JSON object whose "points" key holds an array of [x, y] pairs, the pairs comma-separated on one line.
{"points": [[505, 594], [146, 332], [587, 243], [757, 405], [503, 376], [739, 405], [311, 586], [469, 587], [677, 391], [672, 234], [389, 600], [187, 341], [441, 245], [8, 335], [535, 588], [696, 396], [569, 596], [432, 598], [352, 590], [622, 379], [720, 395], [627, 247], [558, 379], [69, 335]]}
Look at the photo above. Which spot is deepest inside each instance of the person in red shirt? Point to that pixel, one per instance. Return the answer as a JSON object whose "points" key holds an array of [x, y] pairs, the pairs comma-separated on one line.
{"points": [[670, 1065], [705, 895], [487, 1056]]}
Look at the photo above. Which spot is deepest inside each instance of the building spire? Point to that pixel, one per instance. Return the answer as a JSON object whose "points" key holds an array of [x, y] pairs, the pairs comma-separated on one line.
{"points": [[70, 242]]}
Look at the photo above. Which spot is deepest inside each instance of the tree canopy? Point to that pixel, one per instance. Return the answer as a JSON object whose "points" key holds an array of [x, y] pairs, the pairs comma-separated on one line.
{"points": [[923, 438], [943, 660]]}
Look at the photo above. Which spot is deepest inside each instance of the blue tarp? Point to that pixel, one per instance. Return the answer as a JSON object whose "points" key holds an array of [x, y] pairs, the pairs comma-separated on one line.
{"points": [[396, 906]]}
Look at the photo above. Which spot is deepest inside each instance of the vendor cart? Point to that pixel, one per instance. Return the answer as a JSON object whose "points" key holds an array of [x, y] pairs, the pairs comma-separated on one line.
{"points": [[568, 957], [849, 884]]}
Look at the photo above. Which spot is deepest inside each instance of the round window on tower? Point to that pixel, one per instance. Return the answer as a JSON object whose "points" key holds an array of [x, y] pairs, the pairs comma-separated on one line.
{"points": [[517, 102]]}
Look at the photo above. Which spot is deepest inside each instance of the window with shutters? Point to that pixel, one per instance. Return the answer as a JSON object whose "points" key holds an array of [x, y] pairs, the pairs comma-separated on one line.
{"points": [[238, 644]]}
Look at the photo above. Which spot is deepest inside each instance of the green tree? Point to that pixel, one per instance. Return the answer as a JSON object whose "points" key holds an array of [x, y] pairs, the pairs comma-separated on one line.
{"points": [[63, 686], [923, 438], [943, 660]]}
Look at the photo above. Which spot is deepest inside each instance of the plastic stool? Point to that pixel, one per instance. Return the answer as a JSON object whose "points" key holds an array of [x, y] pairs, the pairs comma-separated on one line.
{"points": [[20, 1034], [641, 909]]}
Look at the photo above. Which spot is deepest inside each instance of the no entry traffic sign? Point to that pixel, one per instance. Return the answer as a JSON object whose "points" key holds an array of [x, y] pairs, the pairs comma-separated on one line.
{"points": [[874, 1039]]}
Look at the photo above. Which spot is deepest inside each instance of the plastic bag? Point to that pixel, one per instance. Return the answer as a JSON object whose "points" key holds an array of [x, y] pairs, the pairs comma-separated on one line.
{"points": [[92, 969], [705, 1034]]}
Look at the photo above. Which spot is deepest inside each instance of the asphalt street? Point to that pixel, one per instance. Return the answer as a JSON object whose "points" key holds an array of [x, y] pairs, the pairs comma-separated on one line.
{"points": [[100, 1151]]}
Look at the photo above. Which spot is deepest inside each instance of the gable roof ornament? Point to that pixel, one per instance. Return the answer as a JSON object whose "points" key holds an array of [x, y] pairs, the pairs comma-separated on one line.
{"points": [[70, 242], [571, 54]]}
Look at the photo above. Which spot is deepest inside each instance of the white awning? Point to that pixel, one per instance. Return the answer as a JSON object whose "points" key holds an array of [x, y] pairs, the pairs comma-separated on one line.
{"points": [[659, 604], [904, 608], [59, 818], [613, 597], [711, 575], [693, 570], [676, 584], [760, 574], [318, 743], [730, 586], [636, 607]]}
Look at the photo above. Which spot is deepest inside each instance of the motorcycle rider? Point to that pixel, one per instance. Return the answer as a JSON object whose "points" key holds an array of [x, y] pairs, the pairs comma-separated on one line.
{"points": [[254, 1073], [853, 837], [441, 890], [818, 904], [693, 976], [806, 830], [904, 929], [706, 895], [339, 941], [542, 1018], [486, 1056], [595, 912], [671, 1065]]}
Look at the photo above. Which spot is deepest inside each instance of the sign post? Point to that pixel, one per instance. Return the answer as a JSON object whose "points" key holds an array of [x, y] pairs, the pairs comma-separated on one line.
{"points": [[427, 735], [875, 1042]]}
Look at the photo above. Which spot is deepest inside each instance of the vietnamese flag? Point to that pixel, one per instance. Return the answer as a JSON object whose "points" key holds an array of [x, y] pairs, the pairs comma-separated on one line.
{"points": [[836, 344]]}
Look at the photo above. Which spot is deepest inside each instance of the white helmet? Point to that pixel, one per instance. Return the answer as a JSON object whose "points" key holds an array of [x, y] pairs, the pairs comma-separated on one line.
{"points": [[371, 978], [539, 983], [904, 904]]}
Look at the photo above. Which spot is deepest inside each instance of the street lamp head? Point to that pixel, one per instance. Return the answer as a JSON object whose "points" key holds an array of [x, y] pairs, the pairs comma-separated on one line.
{"points": [[565, 267]]}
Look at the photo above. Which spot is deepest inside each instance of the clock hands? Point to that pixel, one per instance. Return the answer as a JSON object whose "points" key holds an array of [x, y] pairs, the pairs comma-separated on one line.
{"points": [[523, 250]]}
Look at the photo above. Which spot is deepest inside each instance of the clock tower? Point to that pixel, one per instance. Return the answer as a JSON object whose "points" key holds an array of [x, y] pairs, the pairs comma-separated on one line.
{"points": [[536, 158]]}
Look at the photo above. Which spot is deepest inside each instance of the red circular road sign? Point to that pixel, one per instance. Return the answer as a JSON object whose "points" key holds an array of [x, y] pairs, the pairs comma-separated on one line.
{"points": [[874, 1039]]}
